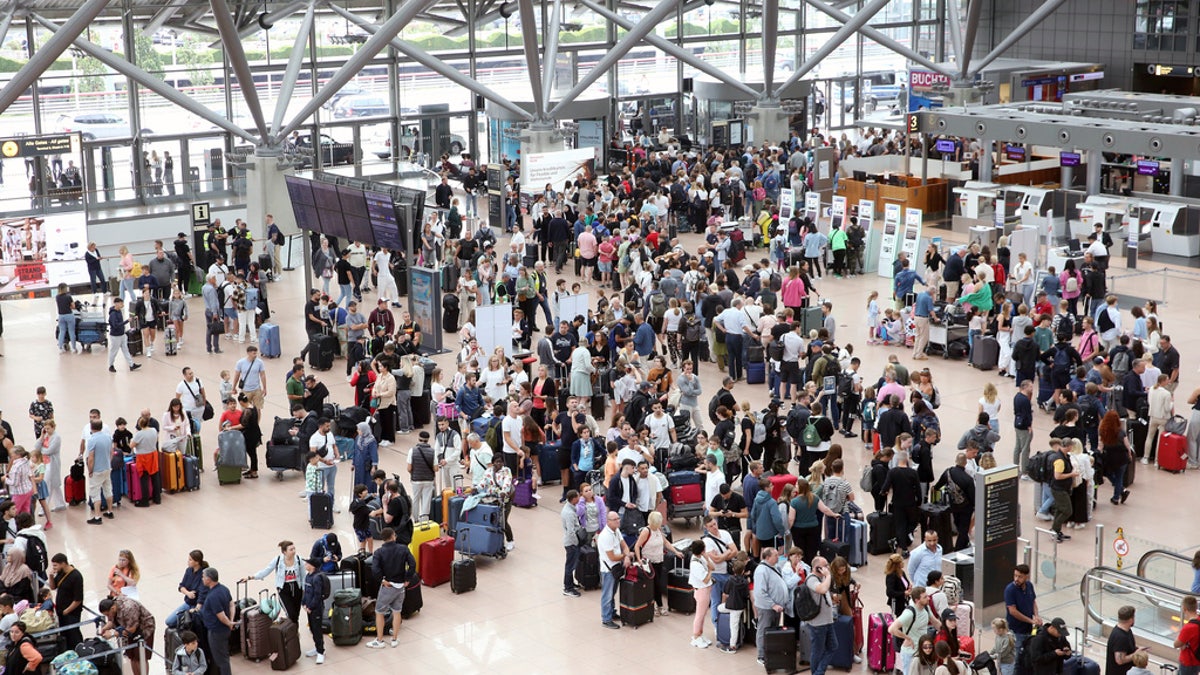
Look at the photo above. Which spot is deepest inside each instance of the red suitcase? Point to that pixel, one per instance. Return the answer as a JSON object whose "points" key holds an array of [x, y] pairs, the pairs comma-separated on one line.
{"points": [[1172, 452], [76, 491], [437, 557], [692, 493], [133, 482]]}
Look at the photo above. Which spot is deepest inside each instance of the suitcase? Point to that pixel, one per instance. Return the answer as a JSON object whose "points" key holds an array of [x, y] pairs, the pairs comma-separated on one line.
{"points": [[636, 606], [479, 540], [811, 319], [170, 340], [681, 597], [523, 494], [171, 642], [1077, 664], [587, 570], [320, 511], [119, 476], [484, 514], [75, 491], [756, 373], [134, 339], [830, 549], [364, 576], [256, 641], [229, 475], [284, 457], [779, 649], [965, 612], [321, 350], [986, 353], [881, 649], [551, 472], [462, 575], [422, 532], [133, 483], [755, 353], [196, 449], [437, 557], [284, 637], [843, 656], [268, 341], [599, 406], [686, 487], [346, 619], [724, 634], [191, 473], [882, 535], [857, 536], [440, 507], [937, 517], [455, 510], [1172, 452], [412, 598], [171, 467]]}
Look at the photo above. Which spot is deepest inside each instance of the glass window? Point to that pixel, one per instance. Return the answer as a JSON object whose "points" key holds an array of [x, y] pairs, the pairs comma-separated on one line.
{"points": [[1161, 24]]}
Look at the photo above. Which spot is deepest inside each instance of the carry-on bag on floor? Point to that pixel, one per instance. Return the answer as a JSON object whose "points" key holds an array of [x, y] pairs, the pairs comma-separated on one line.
{"points": [[284, 457], [483, 514], [1078, 664], [779, 648], [422, 532], [587, 571], [986, 353], [637, 599], [479, 540], [231, 457], [133, 484], [320, 511], [462, 575], [523, 494], [321, 350], [437, 558], [256, 639], [856, 534], [170, 464], [284, 638], [1172, 452], [881, 649], [346, 619], [681, 597], [756, 373], [881, 538], [843, 630], [937, 517], [268, 341], [413, 602]]}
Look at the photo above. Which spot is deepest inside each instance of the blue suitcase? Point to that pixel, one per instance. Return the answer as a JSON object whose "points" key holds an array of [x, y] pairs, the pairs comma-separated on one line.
{"points": [[723, 635], [843, 654], [268, 340], [548, 458], [456, 504], [756, 373], [484, 514], [479, 540], [858, 543]]}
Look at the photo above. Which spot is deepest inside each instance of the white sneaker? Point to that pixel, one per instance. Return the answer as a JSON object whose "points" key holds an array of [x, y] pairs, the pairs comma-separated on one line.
{"points": [[375, 644], [1145, 460], [303, 494], [1044, 516], [384, 444], [310, 653], [61, 350], [395, 643], [706, 641], [509, 546], [336, 510], [699, 643], [78, 349], [1026, 479], [320, 659]]}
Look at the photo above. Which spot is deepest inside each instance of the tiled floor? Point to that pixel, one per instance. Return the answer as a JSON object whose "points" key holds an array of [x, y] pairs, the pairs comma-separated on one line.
{"points": [[517, 620]]}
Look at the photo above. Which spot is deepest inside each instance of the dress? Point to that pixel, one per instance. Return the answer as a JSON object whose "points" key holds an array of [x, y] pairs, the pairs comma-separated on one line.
{"points": [[52, 450], [581, 372]]}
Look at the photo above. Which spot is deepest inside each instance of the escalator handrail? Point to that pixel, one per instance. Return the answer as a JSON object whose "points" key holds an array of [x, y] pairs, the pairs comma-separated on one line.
{"points": [[1105, 574], [1160, 552]]}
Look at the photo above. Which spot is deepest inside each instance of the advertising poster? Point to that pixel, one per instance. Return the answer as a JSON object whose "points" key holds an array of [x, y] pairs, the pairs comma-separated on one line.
{"points": [[787, 202], [812, 205], [41, 252], [556, 168], [424, 303]]}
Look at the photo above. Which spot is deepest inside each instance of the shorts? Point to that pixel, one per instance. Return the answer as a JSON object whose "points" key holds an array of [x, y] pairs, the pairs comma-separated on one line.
{"points": [[604, 266], [564, 457], [99, 483], [363, 535], [43, 490], [390, 600], [1060, 380], [230, 313]]}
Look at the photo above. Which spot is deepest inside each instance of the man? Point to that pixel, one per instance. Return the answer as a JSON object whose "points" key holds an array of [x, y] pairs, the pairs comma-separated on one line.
{"points": [[614, 555], [770, 597], [393, 565], [356, 337], [117, 340], [904, 485], [162, 269], [422, 469], [648, 488], [98, 459], [388, 292], [1188, 640], [249, 377], [381, 317], [922, 315], [820, 627], [734, 325], [912, 624], [690, 391], [925, 559], [1023, 424], [324, 444], [622, 490], [213, 314], [1121, 643], [714, 479], [720, 548], [1020, 602], [959, 489], [130, 621], [217, 614], [1108, 323], [573, 533], [952, 274], [662, 427], [902, 285], [1167, 360], [1049, 649], [510, 428], [729, 508], [67, 583], [190, 391], [315, 394], [479, 456]]}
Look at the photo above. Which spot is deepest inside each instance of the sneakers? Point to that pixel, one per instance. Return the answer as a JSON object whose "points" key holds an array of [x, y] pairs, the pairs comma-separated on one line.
{"points": [[509, 546], [134, 366], [108, 514], [726, 650], [1124, 496], [320, 659], [384, 444], [395, 643], [571, 593], [1026, 479], [1060, 537], [1044, 516], [310, 653], [700, 643], [611, 625], [95, 521], [337, 509], [1144, 460], [375, 644]]}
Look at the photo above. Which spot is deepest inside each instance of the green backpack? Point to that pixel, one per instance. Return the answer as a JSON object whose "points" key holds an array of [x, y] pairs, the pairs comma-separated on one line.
{"points": [[811, 437]]}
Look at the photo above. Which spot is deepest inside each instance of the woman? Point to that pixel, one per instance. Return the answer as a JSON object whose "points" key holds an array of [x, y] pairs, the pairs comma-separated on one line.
{"points": [[19, 480], [51, 445], [385, 396], [879, 471], [145, 451], [929, 391], [1193, 429], [896, 583], [323, 264], [661, 376], [1071, 282], [362, 381], [494, 379], [672, 321], [805, 524], [747, 450], [700, 578], [544, 391], [366, 454], [125, 271], [925, 661], [428, 247], [191, 587], [124, 576], [650, 548], [251, 432], [845, 593], [177, 314], [581, 371], [404, 376], [1089, 341], [990, 403], [288, 569], [793, 291], [922, 418], [148, 312], [1117, 455], [1081, 486], [724, 433], [17, 579], [175, 427], [1004, 335], [934, 261], [23, 656], [41, 492], [591, 510], [532, 439]]}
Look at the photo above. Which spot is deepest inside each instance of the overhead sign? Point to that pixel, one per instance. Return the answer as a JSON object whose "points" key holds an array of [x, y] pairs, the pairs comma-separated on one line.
{"points": [[1068, 158], [1084, 77], [924, 80], [556, 168], [40, 146]]}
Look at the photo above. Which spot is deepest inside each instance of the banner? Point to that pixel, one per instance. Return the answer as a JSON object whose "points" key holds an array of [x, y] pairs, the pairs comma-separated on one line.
{"points": [[425, 305], [493, 328], [556, 168], [41, 252]]}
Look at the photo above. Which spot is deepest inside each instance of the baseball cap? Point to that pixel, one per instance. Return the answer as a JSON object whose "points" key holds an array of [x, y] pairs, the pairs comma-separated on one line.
{"points": [[1059, 623]]}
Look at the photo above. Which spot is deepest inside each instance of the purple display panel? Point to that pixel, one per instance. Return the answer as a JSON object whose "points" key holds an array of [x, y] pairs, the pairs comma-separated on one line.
{"points": [[382, 214], [944, 146], [1068, 159], [1147, 167]]}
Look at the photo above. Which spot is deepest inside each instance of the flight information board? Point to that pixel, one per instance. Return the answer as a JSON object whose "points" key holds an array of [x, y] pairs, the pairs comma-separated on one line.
{"points": [[382, 213]]}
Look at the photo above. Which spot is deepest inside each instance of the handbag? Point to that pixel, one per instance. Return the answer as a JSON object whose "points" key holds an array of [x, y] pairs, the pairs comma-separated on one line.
{"points": [[1178, 424], [216, 326], [208, 411]]}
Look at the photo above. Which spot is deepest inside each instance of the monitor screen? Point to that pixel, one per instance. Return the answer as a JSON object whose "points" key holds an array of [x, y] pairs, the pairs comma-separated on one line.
{"points": [[1015, 153], [382, 215], [1147, 167], [299, 189], [325, 196], [944, 146], [358, 228], [333, 224], [352, 200], [1068, 159], [306, 217]]}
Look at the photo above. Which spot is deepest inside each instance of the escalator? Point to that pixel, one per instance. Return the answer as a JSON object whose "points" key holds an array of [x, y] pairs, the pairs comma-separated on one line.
{"points": [[1168, 568]]}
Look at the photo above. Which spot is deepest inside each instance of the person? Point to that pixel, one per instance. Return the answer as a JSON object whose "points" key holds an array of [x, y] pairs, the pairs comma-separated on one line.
{"points": [[217, 615], [328, 550], [770, 597], [1020, 603], [1049, 649], [925, 559], [423, 465], [911, 625], [23, 656], [316, 589], [99, 453], [117, 341], [614, 555], [130, 621], [925, 660], [1188, 639], [574, 536], [189, 658], [124, 576], [1060, 488], [394, 565], [191, 587], [250, 377], [820, 627], [904, 484], [1116, 454], [17, 580], [67, 584], [289, 572], [896, 583], [700, 578], [1121, 643], [959, 488]]}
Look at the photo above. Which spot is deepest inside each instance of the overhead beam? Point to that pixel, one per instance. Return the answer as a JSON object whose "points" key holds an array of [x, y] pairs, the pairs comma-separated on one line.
{"points": [[436, 65], [236, 58], [1039, 15], [529, 40], [673, 49], [974, 10], [641, 29], [354, 65], [42, 58], [151, 82], [292, 73], [6, 23], [487, 16], [883, 40], [549, 65], [860, 19], [162, 16], [266, 20], [954, 19]]}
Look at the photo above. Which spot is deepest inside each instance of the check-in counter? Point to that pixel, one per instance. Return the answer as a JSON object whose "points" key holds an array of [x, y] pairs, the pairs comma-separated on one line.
{"points": [[1099, 209], [975, 205], [1174, 229], [908, 191]]}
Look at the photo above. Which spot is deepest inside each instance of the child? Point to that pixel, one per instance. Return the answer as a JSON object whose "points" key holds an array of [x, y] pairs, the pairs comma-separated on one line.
{"points": [[1140, 660], [38, 473], [45, 599], [189, 659], [313, 476], [226, 387], [975, 320], [735, 598], [868, 415], [360, 508], [892, 331], [1005, 651], [872, 317]]}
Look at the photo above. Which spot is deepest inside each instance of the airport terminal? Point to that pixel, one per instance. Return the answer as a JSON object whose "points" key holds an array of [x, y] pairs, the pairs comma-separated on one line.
{"points": [[867, 199]]}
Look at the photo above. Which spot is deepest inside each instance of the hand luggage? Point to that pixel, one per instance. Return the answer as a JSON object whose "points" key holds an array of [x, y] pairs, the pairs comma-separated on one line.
{"points": [[523, 494], [1172, 452], [96, 645], [965, 612], [170, 340], [256, 641], [171, 642], [346, 620], [133, 484], [171, 467], [856, 534], [119, 476], [284, 638], [483, 514], [756, 373], [599, 406], [134, 340], [364, 576], [321, 350], [195, 448], [587, 570], [843, 656], [320, 511], [441, 508], [268, 341], [231, 457], [422, 532], [687, 487], [462, 575], [75, 491], [779, 648], [937, 517], [437, 556], [860, 636], [242, 602], [1077, 664], [754, 353], [454, 512], [882, 535], [636, 605], [548, 459], [681, 597], [412, 598], [881, 648], [986, 353], [479, 540], [280, 430], [811, 319], [724, 636], [284, 457]]}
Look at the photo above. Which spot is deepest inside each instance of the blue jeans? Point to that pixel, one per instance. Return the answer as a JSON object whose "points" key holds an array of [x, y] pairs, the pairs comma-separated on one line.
{"points": [[329, 475], [545, 305], [824, 643], [829, 403], [733, 345], [1117, 478], [1047, 499], [96, 279], [66, 330], [173, 617], [471, 204], [608, 586], [347, 294], [569, 569], [718, 581]]}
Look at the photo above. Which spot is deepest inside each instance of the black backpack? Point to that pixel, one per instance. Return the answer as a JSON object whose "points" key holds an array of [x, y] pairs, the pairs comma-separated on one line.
{"points": [[1064, 327], [804, 604], [1040, 467], [693, 331], [35, 555], [713, 404]]}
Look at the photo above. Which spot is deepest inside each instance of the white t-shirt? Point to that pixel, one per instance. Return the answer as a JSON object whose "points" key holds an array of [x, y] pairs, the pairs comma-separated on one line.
{"points": [[629, 452], [660, 430], [327, 441], [992, 409], [697, 572], [189, 401], [672, 318], [511, 427], [609, 540], [382, 260], [712, 486], [648, 488], [711, 546]]}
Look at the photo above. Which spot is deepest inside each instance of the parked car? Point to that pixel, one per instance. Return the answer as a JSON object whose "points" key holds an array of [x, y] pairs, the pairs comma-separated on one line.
{"points": [[409, 141], [94, 125], [350, 89], [332, 152], [361, 105]]}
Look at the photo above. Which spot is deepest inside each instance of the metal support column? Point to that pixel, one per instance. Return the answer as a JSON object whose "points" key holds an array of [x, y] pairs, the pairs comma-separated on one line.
{"points": [[292, 73], [232, 43], [985, 160], [974, 9], [882, 40], [549, 65], [1039, 15], [1176, 184], [5, 23], [1094, 157], [939, 50], [852, 26], [770, 37], [954, 22], [529, 40], [48, 53]]}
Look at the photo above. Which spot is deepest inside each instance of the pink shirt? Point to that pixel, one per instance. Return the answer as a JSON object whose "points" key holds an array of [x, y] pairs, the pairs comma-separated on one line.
{"points": [[792, 292], [587, 245], [890, 388]]}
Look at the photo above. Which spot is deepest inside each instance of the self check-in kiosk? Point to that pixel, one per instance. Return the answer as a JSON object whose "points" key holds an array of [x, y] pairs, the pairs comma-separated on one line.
{"points": [[1036, 210], [1110, 211], [1170, 230], [976, 205]]}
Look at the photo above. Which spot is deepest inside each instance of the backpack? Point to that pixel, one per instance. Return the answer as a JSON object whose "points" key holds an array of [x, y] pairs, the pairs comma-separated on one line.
{"points": [[953, 493], [1064, 327], [770, 181], [1073, 283], [692, 330], [866, 481], [805, 606], [776, 283], [775, 350], [699, 202], [658, 305], [952, 587], [221, 294], [980, 436], [1196, 649], [845, 385], [634, 294], [713, 404], [35, 555], [1088, 415], [811, 437], [1104, 322], [1062, 360], [493, 436], [1121, 363], [1040, 467], [760, 432]]}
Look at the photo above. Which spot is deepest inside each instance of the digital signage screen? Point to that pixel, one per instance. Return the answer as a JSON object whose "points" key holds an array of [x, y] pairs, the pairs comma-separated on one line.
{"points": [[299, 190], [1147, 167], [944, 146], [1068, 159], [381, 212], [325, 196], [1015, 153]]}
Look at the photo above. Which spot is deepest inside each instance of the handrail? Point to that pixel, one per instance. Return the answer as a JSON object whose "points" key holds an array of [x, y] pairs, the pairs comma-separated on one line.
{"points": [[1128, 583], [1144, 561]]}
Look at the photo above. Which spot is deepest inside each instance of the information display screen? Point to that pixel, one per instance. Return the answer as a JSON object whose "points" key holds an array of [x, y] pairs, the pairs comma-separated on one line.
{"points": [[299, 190], [944, 146], [354, 212], [325, 196], [1068, 159], [1147, 167], [381, 212]]}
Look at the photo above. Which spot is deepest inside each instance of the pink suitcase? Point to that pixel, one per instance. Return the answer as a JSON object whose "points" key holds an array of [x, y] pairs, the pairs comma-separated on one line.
{"points": [[881, 651], [133, 482]]}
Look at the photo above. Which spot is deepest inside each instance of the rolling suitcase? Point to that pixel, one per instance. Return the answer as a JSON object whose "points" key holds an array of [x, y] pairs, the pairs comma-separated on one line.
{"points": [[170, 340], [843, 655], [965, 612], [456, 504], [779, 649], [483, 514], [284, 457], [284, 637], [882, 535], [811, 319], [191, 473], [171, 463], [756, 373], [462, 576], [346, 619], [587, 571], [681, 597], [1078, 664], [133, 485], [320, 511], [75, 491], [523, 494], [268, 341], [437, 558], [256, 641], [856, 534], [724, 636], [134, 340], [937, 517], [881, 649], [479, 540], [599, 406], [321, 350], [231, 457], [637, 600], [548, 459], [423, 532], [412, 598], [1172, 452], [986, 354]]}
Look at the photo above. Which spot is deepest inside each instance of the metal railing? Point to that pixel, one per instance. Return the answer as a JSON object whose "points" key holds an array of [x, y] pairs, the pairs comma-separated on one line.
{"points": [[1158, 625], [1144, 563]]}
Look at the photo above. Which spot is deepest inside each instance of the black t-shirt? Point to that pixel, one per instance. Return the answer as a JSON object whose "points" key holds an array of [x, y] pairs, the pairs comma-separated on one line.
{"points": [[400, 509], [311, 309], [69, 589], [344, 272], [65, 303], [1120, 640], [734, 503], [562, 346], [1169, 362], [183, 251]]}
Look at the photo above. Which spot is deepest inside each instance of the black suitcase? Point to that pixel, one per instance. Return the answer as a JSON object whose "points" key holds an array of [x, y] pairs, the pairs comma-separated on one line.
{"points": [[134, 339], [587, 570], [450, 274], [550, 470], [937, 517], [1138, 430], [779, 649], [321, 351], [320, 511], [681, 597], [599, 406], [882, 533], [450, 312], [834, 549], [637, 601], [462, 575], [284, 457], [412, 598], [754, 353], [986, 353]]}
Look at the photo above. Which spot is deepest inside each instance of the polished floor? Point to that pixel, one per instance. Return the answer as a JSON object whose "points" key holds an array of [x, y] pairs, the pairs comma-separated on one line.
{"points": [[517, 621]]}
